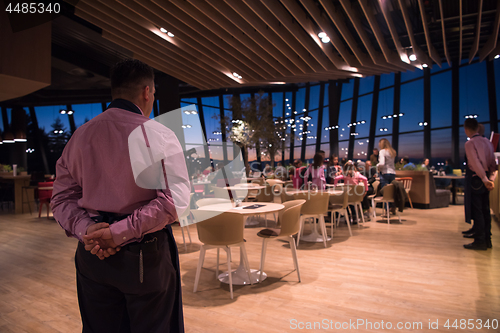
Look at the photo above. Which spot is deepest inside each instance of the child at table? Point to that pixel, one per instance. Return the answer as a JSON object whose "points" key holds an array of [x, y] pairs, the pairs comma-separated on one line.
{"points": [[351, 176]]}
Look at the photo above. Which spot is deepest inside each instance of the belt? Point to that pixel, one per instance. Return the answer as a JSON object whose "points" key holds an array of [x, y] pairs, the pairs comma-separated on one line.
{"points": [[148, 244]]}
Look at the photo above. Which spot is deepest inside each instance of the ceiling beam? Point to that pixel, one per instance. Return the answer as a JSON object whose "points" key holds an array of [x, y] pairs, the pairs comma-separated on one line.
{"points": [[390, 56], [107, 23], [301, 17], [263, 29], [492, 39], [445, 44], [326, 26], [394, 33], [274, 24], [297, 33], [475, 45], [430, 47], [225, 32], [274, 56], [460, 29], [422, 58]]}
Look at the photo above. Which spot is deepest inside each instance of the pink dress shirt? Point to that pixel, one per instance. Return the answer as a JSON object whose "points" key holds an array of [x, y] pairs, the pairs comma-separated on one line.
{"points": [[318, 176], [480, 157], [353, 180], [94, 174]]}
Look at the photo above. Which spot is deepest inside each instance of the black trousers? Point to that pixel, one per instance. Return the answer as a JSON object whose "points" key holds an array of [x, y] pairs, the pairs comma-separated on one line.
{"points": [[112, 297], [480, 209]]}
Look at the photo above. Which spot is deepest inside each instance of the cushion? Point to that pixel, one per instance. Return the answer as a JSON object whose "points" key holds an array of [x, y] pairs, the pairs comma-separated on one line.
{"points": [[267, 233]]}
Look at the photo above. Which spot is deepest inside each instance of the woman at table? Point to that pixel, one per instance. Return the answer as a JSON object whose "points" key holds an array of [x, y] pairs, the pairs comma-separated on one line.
{"points": [[317, 172]]}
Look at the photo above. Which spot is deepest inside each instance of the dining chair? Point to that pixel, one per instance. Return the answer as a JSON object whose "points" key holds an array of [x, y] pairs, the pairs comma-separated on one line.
{"points": [[222, 232], [407, 185], [44, 196], [289, 219], [375, 185], [338, 204], [266, 195], [387, 197], [315, 207], [356, 195]]}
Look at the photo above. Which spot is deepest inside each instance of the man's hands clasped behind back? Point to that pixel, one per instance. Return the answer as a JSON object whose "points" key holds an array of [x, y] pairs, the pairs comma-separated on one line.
{"points": [[99, 241]]}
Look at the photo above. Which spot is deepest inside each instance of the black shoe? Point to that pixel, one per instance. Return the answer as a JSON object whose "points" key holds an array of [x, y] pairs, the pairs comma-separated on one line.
{"points": [[470, 231], [488, 244], [471, 235], [476, 245]]}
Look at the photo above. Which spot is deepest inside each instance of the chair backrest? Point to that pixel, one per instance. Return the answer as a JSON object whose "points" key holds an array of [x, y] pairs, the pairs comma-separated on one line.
{"points": [[457, 172], [289, 217], [316, 202], [220, 192], [223, 229], [45, 190], [276, 184], [388, 192], [375, 186], [340, 199], [211, 201], [265, 194], [406, 182], [285, 196], [356, 193]]}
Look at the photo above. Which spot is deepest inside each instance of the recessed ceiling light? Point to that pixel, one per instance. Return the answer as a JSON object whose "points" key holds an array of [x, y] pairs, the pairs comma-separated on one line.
{"points": [[163, 30], [413, 57], [170, 34], [325, 39], [425, 66], [322, 35], [497, 56]]}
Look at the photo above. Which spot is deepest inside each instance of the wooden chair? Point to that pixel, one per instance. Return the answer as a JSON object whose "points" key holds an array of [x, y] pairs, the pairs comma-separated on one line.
{"points": [[388, 196], [356, 195], [407, 185], [289, 218], [316, 206], [375, 185], [221, 232], [338, 204]]}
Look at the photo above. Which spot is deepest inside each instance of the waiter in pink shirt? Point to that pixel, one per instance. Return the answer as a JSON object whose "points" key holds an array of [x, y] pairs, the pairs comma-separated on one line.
{"points": [[126, 261], [481, 161]]}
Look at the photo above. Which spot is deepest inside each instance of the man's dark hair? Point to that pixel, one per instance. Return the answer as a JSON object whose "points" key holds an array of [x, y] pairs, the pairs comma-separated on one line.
{"points": [[471, 124], [128, 75], [406, 159]]}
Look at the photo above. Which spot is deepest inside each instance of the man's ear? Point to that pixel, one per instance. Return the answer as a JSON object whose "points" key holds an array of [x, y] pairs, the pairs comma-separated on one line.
{"points": [[145, 93]]}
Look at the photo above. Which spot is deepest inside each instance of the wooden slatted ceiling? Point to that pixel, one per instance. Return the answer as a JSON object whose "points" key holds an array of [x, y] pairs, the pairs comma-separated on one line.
{"points": [[276, 41]]}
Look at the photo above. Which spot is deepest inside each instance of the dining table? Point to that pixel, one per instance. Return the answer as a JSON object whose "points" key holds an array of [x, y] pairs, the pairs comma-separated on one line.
{"points": [[239, 275], [314, 236]]}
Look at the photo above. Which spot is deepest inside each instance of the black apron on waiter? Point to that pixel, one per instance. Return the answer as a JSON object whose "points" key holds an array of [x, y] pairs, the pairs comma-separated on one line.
{"points": [[133, 276]]}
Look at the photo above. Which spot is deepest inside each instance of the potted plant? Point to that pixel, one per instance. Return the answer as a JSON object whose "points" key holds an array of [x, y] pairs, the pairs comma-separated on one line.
{"points": [[5, 169], [22, 172]]}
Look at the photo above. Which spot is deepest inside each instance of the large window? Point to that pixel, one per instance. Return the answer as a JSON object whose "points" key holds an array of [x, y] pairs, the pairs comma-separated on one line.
{"points": [[474, 92], [412, 106], [85, 112], [412, 145], [344, 119], [363, 115], [441, 100], [385, 103], [314, 97]]}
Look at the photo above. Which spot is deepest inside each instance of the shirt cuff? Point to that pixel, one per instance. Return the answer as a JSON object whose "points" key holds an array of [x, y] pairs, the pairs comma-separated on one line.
{"points": [[485, 179], [81, 228], [120, 232]]}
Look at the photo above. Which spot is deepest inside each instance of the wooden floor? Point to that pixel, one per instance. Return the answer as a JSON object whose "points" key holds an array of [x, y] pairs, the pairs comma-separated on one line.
{"points": [[416, 271]]}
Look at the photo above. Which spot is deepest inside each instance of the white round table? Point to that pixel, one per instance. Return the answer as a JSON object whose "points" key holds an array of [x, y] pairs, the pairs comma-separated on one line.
{"points": [[239, 275], [314, 236]]}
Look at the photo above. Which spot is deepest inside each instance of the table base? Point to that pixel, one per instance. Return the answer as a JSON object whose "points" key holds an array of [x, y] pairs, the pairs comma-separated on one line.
{"points": [[314, 237], [240, 276]]}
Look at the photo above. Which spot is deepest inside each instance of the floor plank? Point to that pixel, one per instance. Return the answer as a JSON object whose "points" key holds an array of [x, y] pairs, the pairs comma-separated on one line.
{"points": [[411, 272]]}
